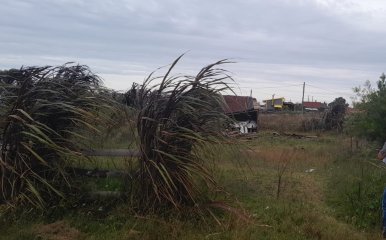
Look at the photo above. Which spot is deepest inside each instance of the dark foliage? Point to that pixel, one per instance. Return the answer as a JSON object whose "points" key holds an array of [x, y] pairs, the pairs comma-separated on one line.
{"points": [[177, 116], [131, 96], [334, 117], [41, 110], [369, 120]]}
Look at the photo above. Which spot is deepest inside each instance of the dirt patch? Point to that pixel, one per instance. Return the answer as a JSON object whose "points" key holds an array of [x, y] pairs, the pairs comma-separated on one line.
{"points": [[57, 231]]}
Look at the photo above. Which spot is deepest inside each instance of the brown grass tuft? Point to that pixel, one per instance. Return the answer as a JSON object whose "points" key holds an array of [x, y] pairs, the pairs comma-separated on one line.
{"points": [[58, 231], [290, 122]]}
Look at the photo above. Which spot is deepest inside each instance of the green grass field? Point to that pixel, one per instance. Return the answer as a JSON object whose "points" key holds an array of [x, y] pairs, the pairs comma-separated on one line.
{"points": [[277, 187]]}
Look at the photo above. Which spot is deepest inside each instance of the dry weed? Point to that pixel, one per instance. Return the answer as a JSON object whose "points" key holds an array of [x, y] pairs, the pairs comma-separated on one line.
{"points": [[59, 230], [290, 122]]}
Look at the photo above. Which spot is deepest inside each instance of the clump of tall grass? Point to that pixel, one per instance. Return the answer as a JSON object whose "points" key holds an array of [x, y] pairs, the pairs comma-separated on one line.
{"points": [[178, 115], [43, 110]]}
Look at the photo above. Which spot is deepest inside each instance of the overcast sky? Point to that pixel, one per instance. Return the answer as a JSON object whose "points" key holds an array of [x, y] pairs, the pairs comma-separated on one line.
{"points": [[332, 45]]}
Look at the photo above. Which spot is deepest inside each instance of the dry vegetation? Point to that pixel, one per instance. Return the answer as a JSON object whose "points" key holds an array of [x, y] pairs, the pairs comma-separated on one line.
{"points": [[57, 231], [189, 182], [46, 111], [287, 122], [301, 170], [250, 176]]}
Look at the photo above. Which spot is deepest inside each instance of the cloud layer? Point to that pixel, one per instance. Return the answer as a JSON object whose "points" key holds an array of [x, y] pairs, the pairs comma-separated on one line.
{"points": [[332, 45]]}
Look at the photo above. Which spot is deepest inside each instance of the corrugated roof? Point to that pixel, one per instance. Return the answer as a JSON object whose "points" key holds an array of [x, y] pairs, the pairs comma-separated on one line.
{"points": [[314, 105], [238, 103]]}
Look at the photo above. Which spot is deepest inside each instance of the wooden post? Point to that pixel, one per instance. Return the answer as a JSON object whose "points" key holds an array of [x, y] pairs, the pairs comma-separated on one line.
{"points": [[304, 86]]}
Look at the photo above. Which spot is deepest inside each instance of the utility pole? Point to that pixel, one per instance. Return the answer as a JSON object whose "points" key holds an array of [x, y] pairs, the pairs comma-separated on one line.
{"points": [[251, 100], [304, 86]]}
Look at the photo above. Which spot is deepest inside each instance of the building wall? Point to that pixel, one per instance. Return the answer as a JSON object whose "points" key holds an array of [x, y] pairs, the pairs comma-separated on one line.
{"points": [[273, 104]]}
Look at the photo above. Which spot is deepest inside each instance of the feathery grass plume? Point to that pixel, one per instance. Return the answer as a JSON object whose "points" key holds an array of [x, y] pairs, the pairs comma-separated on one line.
{"points": [[42, 110], [177, 116]]}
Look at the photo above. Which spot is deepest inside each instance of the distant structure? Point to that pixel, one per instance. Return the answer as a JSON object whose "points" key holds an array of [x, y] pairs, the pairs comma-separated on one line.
{"points": [[315, 106], [274, 104], [277, 104], [244, 110]]}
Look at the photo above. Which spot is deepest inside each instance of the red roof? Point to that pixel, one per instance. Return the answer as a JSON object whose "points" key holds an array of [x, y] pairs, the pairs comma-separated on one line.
{"points": [[314, 105], [238, 103]]}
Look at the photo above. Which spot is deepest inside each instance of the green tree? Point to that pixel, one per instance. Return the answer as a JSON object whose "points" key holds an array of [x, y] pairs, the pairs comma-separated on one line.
{"points": [[370, 120]]}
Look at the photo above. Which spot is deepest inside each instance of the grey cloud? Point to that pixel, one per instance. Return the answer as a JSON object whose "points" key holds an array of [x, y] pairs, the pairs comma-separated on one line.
{"points": [[276, 41]]}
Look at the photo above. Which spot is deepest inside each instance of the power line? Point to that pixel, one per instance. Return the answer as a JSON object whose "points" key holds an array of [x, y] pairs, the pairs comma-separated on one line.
{"points": [[290, 90], [285, 86], [328, 90], [323, 94]]}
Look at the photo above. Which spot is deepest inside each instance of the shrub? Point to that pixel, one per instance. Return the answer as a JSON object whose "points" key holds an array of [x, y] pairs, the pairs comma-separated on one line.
{"points": [[369, 120], [177, 117], [334, 117], [44, 112], [355, 191]]}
